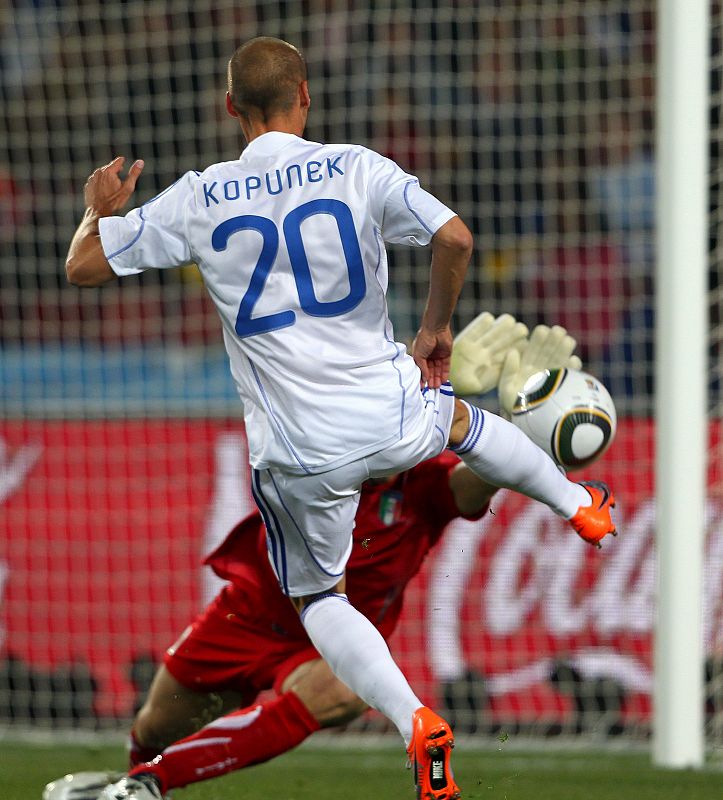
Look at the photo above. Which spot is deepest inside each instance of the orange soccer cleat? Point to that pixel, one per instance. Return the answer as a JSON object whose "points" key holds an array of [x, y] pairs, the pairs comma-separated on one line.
{"points": [[429, 753], [593, 522]]}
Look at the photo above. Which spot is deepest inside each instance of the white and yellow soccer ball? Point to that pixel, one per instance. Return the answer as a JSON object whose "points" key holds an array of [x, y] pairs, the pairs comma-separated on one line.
{"points": [[568, 413]]}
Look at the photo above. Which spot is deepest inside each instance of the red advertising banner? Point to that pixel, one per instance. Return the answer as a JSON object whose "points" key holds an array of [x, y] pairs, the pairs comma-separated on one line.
{"points": [[103, 526]]}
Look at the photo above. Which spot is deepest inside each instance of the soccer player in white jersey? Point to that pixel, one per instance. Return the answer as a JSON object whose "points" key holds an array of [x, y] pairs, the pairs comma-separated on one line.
{"points": [[290, 241]]}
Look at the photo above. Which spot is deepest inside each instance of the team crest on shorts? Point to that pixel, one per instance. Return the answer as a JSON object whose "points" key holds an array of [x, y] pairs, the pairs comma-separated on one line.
{"points": [[390, 507]]}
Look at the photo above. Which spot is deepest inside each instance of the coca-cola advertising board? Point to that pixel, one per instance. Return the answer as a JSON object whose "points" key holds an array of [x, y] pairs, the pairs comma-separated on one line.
{"points": [[104, 524]]}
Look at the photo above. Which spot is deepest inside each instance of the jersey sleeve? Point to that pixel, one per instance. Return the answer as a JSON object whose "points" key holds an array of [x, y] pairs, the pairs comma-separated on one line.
{"points": [[153, 235], [405, 213]]}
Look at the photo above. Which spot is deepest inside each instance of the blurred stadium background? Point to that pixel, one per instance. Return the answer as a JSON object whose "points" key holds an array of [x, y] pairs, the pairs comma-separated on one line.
{"points": [[121, 449]]}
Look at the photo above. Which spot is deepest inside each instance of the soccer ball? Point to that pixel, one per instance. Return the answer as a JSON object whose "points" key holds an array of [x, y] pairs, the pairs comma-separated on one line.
{"points": [[568, 413]]}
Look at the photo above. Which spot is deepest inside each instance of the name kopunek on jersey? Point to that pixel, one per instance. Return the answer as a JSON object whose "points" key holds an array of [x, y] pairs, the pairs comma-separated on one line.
{"points": [[274, 182]]}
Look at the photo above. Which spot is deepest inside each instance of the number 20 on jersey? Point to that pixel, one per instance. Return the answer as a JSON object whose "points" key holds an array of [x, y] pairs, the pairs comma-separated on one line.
{"points": [[310, 304]]}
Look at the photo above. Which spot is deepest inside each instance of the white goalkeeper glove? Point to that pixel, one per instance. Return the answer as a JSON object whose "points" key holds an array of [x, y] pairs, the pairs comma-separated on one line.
{"points": [[547, 348], [480, 349]]}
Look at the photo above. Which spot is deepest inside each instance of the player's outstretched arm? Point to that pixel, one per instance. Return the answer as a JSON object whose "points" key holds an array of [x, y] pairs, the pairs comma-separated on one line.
{"points": [[547, 348], [471, 493], [432, 348], [105, 194]]}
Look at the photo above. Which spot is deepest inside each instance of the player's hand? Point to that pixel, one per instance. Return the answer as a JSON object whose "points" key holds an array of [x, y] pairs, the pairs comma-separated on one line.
{"points": [[105, 192], [547, 348], [480, 350], [432, 351]]}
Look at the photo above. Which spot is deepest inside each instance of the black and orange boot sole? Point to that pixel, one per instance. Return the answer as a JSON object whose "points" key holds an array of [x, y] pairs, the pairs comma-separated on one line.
{"points": [[430, 752]]}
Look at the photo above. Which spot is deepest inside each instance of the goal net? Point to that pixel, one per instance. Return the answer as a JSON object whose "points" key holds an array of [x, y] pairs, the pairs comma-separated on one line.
{"points": [[122, 448]]}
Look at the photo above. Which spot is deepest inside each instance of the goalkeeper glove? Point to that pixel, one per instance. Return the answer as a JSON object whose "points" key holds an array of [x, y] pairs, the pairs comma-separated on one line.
{"points": [[547, 348], [480, 349]]}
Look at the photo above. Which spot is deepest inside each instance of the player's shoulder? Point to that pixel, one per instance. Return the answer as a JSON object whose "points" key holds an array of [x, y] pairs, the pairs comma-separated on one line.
{"points": [[201, 185], [382, 170], [365, 153], [354, 149], [213, 171], [350, 146], [174, 197]]}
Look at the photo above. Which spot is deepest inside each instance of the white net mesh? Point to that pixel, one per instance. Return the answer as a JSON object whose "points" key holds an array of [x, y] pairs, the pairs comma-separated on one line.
{"points": [[534, 120]]}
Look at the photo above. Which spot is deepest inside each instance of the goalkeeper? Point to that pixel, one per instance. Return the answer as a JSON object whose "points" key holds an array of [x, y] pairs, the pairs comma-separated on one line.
{"points": [[250, 639]]}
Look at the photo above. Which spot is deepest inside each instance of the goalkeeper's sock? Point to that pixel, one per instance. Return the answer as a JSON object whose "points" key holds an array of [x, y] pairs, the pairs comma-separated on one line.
{"points": [[359, 656], [501, 454], [250, 736], [139, 753]]}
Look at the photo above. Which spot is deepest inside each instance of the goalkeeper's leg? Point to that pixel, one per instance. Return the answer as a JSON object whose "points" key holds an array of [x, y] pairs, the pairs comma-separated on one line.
{"points": [[312, 697], [249, 736], [172, 711]]}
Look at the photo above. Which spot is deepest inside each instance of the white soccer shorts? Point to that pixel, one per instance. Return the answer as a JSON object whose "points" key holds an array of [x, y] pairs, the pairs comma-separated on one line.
{"points": [[310, 518]]}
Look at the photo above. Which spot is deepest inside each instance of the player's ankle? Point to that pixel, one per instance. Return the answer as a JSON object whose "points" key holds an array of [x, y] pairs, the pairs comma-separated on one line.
{"points": [[585, 498], [153, 780]]}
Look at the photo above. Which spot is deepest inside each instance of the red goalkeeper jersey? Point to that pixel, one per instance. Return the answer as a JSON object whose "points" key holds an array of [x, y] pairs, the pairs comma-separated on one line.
{"points": [[397, 524]]}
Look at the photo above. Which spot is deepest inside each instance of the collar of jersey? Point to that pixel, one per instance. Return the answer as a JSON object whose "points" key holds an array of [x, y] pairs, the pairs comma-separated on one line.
{"points": [[269, 142]]}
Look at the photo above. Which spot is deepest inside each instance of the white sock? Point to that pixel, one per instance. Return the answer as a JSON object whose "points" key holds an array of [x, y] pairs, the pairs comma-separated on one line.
{"points": [[501, 454], [359, 656]]}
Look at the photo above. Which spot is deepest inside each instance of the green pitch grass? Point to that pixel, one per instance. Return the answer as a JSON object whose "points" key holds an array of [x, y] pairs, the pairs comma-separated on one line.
{"points": [[316, 774]]}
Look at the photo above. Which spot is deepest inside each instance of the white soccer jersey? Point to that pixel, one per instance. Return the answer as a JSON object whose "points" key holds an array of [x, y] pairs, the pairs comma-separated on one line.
{"points": [[290, 241]]}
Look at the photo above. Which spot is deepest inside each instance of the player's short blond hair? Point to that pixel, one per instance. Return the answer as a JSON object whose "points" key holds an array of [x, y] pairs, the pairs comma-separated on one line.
{"points": [[264, 76]]}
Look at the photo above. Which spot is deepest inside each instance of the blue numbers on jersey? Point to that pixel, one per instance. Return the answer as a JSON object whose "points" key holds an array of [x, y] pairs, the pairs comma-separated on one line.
{"points": [[245, 325]]}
